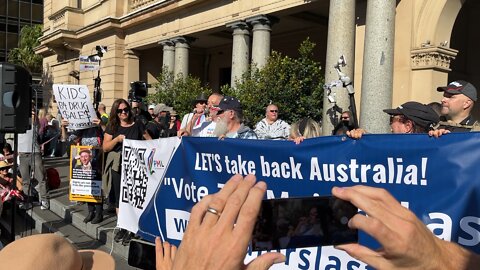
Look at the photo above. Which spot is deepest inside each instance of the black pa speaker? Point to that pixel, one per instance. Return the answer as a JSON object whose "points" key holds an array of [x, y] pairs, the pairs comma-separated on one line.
{"points": [[15, 98]]}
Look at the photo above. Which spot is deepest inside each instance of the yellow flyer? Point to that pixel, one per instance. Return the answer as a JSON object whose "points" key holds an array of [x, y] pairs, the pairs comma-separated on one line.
{"points": [[86, 167]]}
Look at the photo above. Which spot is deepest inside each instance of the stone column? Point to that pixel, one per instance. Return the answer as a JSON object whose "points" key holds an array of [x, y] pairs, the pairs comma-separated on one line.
{"points": [[261, 29], [168, 55], [131, 74], [182, 45], [340, 41], [377, 75], [240, 50]]}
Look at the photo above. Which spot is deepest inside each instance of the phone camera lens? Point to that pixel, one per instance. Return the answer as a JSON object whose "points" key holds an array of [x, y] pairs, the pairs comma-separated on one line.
{"points": [[344, 220]]}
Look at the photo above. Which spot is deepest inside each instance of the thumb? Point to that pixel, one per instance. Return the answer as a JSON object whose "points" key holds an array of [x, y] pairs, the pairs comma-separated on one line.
{"points": [[265, 261]]}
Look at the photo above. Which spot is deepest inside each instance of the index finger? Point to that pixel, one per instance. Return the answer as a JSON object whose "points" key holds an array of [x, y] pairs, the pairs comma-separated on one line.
{"points": [[158, 249], [249, 213], [374, 201]]}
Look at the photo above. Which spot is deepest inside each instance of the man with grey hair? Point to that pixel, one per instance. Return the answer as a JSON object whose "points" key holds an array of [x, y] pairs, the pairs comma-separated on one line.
{"points": [[207, 128], [271, 127], [230, 120]]}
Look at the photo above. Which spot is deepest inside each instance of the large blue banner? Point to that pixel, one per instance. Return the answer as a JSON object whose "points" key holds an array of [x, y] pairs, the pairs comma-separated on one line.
{"points": [[435, 178]]}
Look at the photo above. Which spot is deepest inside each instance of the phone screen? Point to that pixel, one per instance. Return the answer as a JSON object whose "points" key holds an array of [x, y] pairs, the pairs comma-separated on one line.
{"points": [[141, 254], [303, 222]]}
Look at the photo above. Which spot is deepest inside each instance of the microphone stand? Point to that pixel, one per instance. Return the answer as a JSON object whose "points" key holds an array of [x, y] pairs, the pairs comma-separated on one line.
{"points": [[97, 94]]}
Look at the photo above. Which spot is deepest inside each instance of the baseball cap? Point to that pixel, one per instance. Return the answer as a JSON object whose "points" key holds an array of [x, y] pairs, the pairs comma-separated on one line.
{"points": [[460, 87], [230, 103], [420, 114], [151, 106]]}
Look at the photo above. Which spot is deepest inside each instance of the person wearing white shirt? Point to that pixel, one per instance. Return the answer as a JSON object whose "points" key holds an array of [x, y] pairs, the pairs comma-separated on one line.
{"points": [[192, 121], [271, 127]]}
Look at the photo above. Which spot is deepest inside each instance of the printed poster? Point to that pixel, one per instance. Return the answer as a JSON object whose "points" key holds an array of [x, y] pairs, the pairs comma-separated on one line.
{"points": [[86, 167]]}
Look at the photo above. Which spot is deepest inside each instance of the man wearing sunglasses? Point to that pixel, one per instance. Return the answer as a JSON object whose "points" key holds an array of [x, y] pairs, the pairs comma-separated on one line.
{"points": [[271, 127], [192, 121], [410, 117]]}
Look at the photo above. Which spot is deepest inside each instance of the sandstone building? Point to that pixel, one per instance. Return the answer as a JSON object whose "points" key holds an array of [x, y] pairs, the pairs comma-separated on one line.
{"points": [[410, 46]]}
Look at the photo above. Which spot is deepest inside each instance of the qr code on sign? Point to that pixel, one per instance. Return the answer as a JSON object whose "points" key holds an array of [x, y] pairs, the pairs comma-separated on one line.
{"points": [[135, 179]]}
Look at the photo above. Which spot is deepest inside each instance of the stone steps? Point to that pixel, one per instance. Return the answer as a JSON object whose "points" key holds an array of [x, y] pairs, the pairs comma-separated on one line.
{"points": [[66, 218]]}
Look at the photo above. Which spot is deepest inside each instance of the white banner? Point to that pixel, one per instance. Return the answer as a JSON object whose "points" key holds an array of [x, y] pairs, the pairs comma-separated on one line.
{"points": [[143, 167], [75, 105], [88, 63]]}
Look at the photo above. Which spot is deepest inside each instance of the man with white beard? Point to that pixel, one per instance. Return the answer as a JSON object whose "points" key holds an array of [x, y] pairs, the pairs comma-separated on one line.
{"points": [[230, 120]]}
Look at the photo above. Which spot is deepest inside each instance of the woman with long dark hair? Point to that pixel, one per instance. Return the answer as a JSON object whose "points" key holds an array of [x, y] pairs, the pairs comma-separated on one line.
{"points": [[121, 125]]}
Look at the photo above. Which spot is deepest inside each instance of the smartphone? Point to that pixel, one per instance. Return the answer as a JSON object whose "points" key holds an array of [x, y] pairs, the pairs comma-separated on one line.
{"points": [[303, 222], [141, 254]]}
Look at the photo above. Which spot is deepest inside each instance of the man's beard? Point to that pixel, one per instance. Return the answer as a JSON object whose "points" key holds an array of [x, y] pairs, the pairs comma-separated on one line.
{"points": [[221, 128]]}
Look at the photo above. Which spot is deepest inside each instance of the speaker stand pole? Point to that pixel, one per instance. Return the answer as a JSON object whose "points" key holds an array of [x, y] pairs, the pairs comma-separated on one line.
{"points": [[14, 187]]}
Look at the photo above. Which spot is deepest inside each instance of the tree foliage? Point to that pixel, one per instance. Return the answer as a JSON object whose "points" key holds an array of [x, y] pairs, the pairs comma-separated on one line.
{"points": [[177, 92], [24, 55], [295, 85]]}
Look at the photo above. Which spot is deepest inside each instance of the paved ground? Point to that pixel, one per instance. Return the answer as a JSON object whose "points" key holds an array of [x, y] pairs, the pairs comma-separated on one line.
{"points": [[65, 218]]}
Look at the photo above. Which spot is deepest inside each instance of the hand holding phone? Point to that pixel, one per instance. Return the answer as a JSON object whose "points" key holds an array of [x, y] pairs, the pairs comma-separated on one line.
{"points": [[141, 254], [146, 255]]}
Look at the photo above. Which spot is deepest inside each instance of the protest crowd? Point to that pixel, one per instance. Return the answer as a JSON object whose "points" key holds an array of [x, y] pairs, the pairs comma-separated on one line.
{"points": [[220, 116]]}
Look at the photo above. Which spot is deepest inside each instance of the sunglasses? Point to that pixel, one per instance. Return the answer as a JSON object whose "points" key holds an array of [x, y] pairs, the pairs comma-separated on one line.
{"points": [[202, 102], [124, 110], [275, 111], [396, 118], [345, 117]]}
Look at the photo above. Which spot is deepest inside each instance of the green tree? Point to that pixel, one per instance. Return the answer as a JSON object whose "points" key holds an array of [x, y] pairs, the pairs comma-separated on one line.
{"points": [[177, 92], [24, 55], [294, 84]]}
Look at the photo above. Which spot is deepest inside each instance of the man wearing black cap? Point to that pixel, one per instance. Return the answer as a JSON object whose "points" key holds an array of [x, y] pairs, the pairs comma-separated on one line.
{"points": [[230, 120], [457, 104], [410, 117]]}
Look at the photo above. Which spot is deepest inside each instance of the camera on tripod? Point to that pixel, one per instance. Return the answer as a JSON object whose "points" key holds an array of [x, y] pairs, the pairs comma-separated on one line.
{"points": [[138, 91]]}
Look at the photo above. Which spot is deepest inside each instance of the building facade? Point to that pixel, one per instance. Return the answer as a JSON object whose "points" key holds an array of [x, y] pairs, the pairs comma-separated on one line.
{"points": [[14, 14], [409, 51]]}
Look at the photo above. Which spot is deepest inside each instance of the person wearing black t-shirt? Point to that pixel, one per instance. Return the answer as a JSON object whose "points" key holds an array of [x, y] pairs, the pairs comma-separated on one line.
{"points": [[121, 126]]}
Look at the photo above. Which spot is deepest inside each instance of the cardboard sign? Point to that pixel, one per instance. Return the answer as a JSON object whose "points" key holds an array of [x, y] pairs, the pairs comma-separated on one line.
{"points": [[75, 105]]}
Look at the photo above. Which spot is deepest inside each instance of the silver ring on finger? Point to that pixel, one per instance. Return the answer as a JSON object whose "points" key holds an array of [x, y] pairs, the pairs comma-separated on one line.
{"points": [[214, 211]]}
